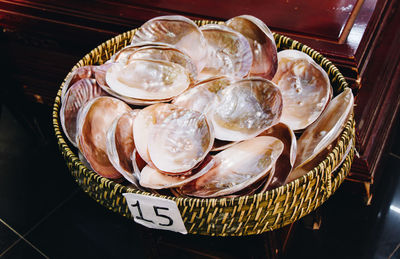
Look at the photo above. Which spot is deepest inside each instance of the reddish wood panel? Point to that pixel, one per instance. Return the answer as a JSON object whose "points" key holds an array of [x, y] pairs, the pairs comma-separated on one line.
{"points": [[321, 19]]}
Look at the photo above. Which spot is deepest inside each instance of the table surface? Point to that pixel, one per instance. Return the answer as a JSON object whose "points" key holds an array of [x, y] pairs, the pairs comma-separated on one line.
{"points": [[43, 212]]}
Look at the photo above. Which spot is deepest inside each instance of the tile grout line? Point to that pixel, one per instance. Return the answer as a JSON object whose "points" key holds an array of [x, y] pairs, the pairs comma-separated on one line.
{"points": [[35, 226], [394, 251], [21, 237], [394, 155], [51, 212]]}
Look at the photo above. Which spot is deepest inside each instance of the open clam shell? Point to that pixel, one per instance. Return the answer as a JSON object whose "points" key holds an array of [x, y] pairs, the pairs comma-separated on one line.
{"points": [[167, 54], [145, 120], [122, 56], [101, 81], [148, 79], [285, 162], [317, 140], [75, 76], [237, 168], [77, 95], [152, 178], [180, 141], [120, 145], [199, 97], [172, 139], [262, 43], [94, 119], [229, 52], [245, 109], [178, 31], [305, 88]]}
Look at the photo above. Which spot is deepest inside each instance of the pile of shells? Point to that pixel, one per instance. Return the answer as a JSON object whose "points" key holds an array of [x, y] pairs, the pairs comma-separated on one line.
{"points": [[204, 111]]}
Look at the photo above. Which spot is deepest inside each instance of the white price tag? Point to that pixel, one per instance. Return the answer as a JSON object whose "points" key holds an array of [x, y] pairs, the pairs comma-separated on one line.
{"points": [[155, 212]]}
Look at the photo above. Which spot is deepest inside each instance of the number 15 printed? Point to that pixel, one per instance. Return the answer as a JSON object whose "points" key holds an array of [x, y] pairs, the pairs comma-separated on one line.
{"points": [[154, 212]]}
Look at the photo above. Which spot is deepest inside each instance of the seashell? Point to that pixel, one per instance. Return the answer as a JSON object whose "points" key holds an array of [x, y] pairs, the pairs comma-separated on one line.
{"points": [[245, 109], [94, 119], [172, 139], [120, 145], [305, 88], [167, 54], [236, 168], [77, 95], [75, 76], [202, 94], [180, 141], [319, 138], [262, 44], [285, 162], [147, 79], [101, 81], [152, 178], [145, 120], [178, 31], [122, 56], [220, 145], [229, 52], [256, 187]]}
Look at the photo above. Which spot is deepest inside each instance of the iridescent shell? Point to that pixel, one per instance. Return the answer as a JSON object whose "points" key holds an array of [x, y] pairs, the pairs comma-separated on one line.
{"points": [[167, 54], [101, 81], [305, 88], [77, 95], [320, 137], [152, 178], [144, 121], [285, 162], [75, 76], [201, 96], [172, 139], [180, 141], [236, 168], [122, 56], [178, 31], [148, 79], [245, 109], [262, 43], [120, 145], [94, 119], [229, 52]]}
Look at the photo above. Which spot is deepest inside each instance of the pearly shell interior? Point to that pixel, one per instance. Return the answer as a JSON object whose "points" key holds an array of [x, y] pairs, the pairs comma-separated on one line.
{"points": [[285, 162], [229, 52], [77, 95], [167, 54], [305, 88], [237, 168], [318, 139], [178, 31], [148, 79], [120, 145], [154, 179], [202, 94], [94, 119], [245, 109], [180, 141], [262, 44]]}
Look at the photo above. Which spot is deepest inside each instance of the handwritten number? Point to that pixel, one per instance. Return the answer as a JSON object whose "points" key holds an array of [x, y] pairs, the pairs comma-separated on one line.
{"points": [[137, 204], [156, 211]]}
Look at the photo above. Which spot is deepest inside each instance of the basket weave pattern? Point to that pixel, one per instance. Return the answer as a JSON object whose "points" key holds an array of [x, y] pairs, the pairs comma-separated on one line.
{"points": [[246, 215]]}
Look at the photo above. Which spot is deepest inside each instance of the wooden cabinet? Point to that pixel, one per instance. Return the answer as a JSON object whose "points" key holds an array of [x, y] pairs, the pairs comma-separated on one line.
{"points": [[43, 39]]}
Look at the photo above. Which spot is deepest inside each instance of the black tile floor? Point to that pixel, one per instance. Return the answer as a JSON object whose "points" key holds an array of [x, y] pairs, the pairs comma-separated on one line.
{"points": [[44, 214]]}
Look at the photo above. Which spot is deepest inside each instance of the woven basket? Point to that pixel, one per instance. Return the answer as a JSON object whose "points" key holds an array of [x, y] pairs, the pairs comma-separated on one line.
{"points": [[246, 215]]}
